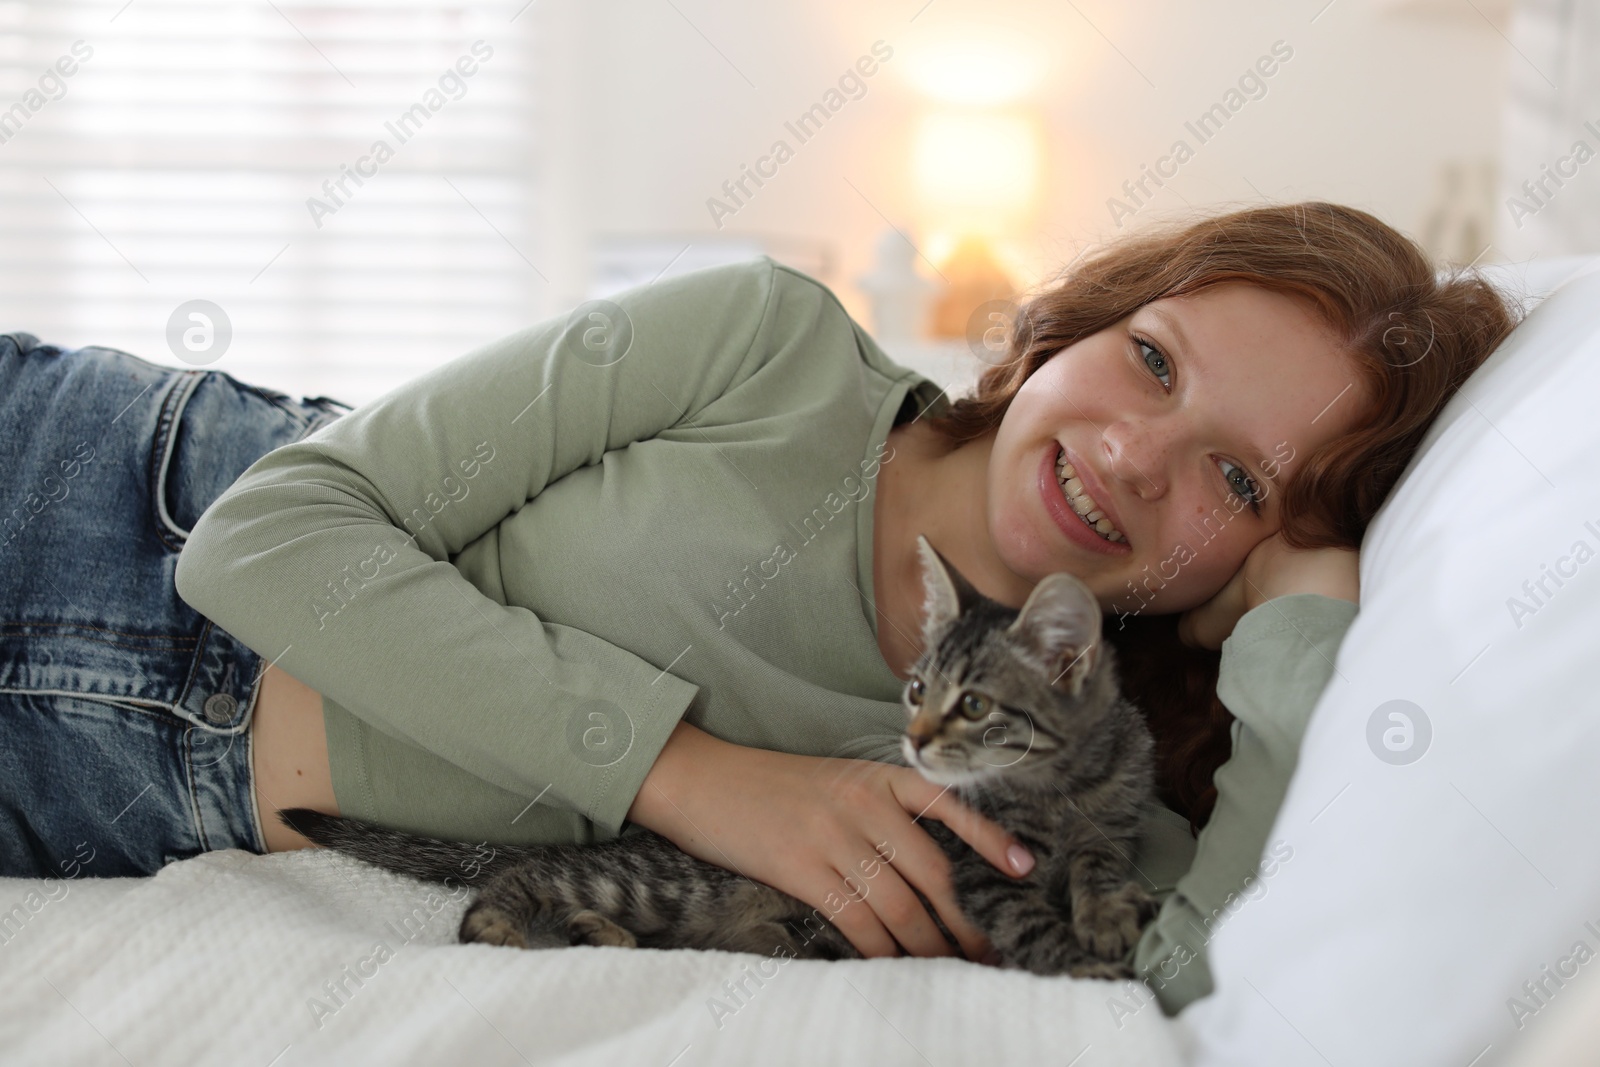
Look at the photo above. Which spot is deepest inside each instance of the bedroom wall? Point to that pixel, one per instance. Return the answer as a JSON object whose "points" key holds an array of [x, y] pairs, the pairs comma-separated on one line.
{"points": [[653, 104]]}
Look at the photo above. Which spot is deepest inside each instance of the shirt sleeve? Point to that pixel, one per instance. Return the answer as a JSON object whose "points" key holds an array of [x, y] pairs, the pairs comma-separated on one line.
{"points": [[332, 556], [1273, 670]]}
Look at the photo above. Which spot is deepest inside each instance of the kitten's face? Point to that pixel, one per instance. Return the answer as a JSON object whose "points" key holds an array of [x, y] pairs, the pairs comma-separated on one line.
{"points": [[961, 733], [993, 695]]}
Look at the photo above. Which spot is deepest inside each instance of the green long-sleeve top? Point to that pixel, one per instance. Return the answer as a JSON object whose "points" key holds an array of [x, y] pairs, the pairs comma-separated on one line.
{"points": [[510, 577]]}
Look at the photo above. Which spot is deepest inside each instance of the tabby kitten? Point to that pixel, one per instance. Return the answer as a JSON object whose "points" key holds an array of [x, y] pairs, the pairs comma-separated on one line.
{"points": [[1018, 712]]}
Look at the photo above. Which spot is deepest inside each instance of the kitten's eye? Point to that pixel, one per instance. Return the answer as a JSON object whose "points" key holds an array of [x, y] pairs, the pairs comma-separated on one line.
{"points": [[914, 691], [974, 706]]}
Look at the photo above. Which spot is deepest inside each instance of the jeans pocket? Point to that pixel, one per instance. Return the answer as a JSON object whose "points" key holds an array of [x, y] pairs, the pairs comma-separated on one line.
{"points": [[163, 446], [218, 429]]}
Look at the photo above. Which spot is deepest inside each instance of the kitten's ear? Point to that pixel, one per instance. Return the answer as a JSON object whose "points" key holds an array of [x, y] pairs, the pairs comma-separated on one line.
{"points": [[1060, 626], [947, 593]]}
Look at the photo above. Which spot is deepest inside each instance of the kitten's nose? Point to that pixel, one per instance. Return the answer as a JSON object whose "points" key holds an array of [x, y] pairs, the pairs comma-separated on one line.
{"points": [[920, 732]]}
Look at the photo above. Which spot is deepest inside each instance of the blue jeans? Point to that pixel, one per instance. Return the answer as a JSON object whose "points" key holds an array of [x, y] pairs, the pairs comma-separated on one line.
{"points": [[124, 713]]}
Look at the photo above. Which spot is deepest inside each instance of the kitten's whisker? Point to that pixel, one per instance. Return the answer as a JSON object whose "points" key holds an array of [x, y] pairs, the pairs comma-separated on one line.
{"points": [[883, 756], [879, 748], [849, 771], [865, 743]]}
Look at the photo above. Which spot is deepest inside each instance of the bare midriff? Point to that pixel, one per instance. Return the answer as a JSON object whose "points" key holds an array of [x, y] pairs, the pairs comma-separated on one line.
{"points": [[290, 757]]}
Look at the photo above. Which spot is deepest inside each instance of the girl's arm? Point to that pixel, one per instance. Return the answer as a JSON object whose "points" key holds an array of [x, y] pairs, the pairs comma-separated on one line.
{"points": [[838, 834], [333, 556]]}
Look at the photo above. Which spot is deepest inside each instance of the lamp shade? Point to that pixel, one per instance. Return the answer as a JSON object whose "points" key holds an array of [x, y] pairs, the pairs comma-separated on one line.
{"points": [[976, 170]]}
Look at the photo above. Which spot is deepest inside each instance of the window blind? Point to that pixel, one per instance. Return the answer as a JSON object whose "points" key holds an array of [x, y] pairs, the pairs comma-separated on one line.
{"points": [[353, 184]]}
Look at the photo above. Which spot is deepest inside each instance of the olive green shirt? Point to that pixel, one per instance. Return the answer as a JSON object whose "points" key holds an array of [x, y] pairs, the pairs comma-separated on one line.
{"points": [[511, 576]]}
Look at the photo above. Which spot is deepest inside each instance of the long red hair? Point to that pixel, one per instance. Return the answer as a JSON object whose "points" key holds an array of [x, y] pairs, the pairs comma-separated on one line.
{"points": [[1414, 337]]}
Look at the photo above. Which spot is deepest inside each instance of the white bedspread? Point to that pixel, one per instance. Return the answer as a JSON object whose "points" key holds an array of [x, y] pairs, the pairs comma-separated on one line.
{"points": [[228, 958]]}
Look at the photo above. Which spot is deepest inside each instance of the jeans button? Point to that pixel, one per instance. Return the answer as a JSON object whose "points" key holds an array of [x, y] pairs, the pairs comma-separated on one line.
{"points": [[219, 707]]}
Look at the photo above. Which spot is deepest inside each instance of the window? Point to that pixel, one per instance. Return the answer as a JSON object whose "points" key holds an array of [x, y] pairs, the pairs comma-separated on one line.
{"points": [[352, 183]]}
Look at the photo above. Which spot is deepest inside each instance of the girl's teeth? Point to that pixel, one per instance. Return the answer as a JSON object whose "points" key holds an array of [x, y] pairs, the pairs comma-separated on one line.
{"points": [[1079, 499]]}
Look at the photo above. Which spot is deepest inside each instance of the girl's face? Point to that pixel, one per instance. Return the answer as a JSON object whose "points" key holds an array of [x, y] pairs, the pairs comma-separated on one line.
{"points": [[1180, 422]]}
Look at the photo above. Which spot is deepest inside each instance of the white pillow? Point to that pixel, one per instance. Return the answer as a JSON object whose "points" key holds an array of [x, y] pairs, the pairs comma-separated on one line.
{"points": [[1536, 279], [1428, 883]]}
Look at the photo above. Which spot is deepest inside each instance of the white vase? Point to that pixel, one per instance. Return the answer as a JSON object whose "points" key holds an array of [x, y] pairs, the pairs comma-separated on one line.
{"points": [[898, 296]]}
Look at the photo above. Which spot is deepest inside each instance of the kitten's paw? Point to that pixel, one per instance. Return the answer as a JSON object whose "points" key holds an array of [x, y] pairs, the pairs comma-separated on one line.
{"points": [[486, 924], [592, 928], [1109, 925], [1100, 969]]}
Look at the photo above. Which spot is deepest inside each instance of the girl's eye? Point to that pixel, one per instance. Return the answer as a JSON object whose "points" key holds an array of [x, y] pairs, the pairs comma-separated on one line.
{"points": [[1156, 360], [1244, 486], [914, 690], [974, 706]]}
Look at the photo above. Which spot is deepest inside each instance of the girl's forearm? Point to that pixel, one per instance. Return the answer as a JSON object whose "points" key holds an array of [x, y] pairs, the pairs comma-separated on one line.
{"points": [[656, 806]]}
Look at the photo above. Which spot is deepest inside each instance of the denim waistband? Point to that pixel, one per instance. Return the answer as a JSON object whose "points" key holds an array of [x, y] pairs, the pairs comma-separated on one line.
{"points": [[116, 457]]}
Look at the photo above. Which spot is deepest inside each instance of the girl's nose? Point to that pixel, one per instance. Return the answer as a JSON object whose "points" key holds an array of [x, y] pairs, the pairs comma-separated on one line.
{"points": [[1137, 458]]}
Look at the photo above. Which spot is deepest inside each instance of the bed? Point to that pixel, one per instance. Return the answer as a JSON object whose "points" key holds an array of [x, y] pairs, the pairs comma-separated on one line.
{"points": [[312, 957], [233, 958]]}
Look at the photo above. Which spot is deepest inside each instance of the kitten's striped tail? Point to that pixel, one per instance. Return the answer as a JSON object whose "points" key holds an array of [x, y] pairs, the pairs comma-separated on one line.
{"points": [[420, 857]]}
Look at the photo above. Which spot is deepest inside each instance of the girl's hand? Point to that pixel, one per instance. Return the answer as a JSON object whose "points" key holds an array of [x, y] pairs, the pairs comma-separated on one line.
{"points": [[821, 829], [1272, 569]]}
